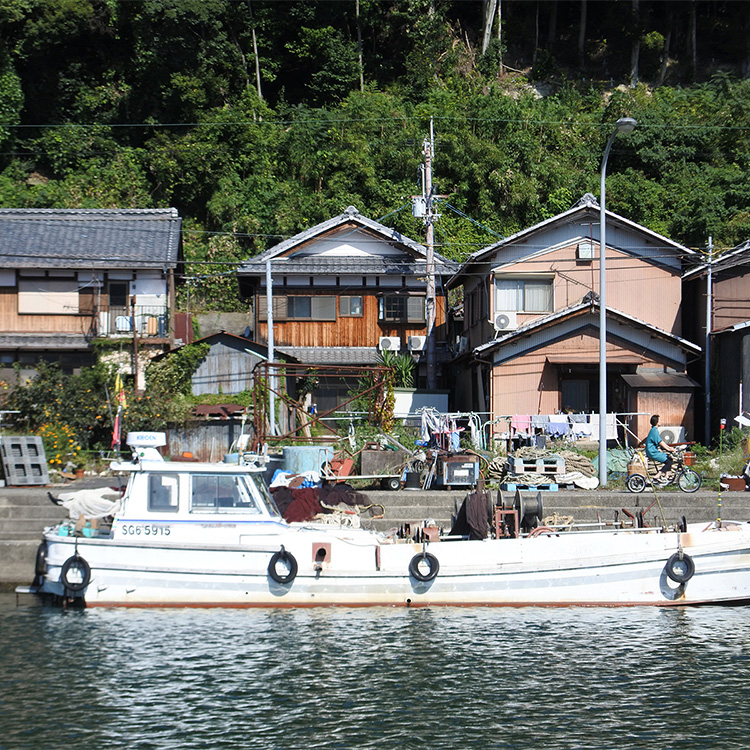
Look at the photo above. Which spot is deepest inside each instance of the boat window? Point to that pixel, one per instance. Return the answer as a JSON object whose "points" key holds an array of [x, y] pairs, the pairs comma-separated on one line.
{"points": [[162, 493], [262, 488], [221, 493]]}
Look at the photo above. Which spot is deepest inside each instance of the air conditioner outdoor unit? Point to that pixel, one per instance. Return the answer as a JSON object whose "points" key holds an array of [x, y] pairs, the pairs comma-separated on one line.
{"points": [[672, 434], [389, 344], [505, 321], [417, 343]]}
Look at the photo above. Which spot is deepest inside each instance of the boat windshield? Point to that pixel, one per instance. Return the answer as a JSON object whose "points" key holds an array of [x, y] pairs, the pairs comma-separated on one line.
{"points": [[263, 491]]}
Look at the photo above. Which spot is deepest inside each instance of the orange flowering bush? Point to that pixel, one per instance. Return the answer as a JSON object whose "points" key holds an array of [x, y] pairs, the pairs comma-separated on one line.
{"points": [[60, 444]]}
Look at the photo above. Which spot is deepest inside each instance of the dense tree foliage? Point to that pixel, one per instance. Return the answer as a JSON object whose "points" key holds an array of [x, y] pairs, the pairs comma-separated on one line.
{"points": [[257, 119]]}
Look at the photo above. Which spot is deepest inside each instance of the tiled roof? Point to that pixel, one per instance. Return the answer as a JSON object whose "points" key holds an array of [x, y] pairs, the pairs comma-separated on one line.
{"points": [[89, 238], [43, 341], [346, 355], [333, 355], [412, 261]]}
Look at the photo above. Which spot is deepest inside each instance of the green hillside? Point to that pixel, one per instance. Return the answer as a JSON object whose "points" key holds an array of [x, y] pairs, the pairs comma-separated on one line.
{"points": [[257, 119]]}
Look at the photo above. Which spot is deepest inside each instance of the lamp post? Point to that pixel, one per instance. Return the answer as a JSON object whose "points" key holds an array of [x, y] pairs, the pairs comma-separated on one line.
{"points": [[623, 125]]}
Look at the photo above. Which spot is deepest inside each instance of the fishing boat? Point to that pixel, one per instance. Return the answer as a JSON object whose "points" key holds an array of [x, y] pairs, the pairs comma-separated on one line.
{"points": [[185, 534]]}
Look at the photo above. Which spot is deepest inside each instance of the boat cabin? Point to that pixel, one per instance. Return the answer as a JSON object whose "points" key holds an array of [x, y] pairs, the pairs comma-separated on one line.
{"points": [[164, 498]]}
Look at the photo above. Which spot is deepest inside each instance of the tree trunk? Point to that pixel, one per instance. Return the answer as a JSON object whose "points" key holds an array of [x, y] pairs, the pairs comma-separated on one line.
{"points": [[359, 51], [489, 7], [582, 35], [665, 53], [552, 30], [746, 62], [635, 49], [255, 52], [500, 31], [693, 40]]}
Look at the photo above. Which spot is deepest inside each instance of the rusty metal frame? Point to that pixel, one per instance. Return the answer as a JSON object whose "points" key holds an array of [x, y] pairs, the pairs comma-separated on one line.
{"points": [[264, 372]]}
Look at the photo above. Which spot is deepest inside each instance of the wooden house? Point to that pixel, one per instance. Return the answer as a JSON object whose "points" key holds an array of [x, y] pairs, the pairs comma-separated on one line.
{"points": [[70, 276], [530, 344], [717, 294], [344, 290]]}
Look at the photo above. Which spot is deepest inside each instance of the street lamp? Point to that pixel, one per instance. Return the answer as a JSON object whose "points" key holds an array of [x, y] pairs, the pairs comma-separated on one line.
{"points": [[623, 125]]}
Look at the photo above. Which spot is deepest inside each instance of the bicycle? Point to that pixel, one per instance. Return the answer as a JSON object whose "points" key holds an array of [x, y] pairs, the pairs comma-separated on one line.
{"points": [[683, 476]]}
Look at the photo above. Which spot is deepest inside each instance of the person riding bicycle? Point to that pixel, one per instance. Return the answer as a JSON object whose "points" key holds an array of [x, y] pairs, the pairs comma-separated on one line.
{"points": [[657, 450]]}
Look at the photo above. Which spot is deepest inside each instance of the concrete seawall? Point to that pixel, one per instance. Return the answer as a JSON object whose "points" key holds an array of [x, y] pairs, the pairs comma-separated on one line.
{"points": [[26, 511]]}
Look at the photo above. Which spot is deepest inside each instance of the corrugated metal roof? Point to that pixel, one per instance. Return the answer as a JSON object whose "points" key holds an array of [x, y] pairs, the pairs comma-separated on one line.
{"points": [[660, 380], [89, 238], [738, 256]]}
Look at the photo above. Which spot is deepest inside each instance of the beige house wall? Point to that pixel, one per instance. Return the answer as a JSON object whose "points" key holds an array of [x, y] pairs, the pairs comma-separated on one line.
{"points": [[648, 292], [530, 384]]}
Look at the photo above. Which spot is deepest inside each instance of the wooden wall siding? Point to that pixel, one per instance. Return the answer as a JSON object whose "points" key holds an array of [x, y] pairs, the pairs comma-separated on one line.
{"points": [[731, 302], [12, 322], [362, 331], [643, 290], [674, 407]]}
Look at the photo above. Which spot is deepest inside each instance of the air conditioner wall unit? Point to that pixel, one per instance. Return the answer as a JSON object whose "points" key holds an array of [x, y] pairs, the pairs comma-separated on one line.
{"points": [[389, 344], [505, 321], [417, 343], [672, 434]]}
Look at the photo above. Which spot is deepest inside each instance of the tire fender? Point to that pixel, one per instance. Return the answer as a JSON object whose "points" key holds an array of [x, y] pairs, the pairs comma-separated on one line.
{"points": [[416, 572], [680, 568], [283, 556], [78, 563]]}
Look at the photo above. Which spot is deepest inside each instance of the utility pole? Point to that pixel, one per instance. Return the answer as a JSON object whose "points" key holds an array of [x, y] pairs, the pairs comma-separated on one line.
{"points": [[271, 353], [707, 344], [430, 217]]}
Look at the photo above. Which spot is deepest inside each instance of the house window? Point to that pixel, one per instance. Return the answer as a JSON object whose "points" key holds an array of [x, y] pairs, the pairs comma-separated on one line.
{"points": [[311, 308], [118, 293], [350, 307], [299, 308], [402, 308], [523, 295], [48, 297]]}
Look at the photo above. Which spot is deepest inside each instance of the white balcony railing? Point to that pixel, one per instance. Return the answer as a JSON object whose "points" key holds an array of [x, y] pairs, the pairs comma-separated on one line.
{"points": [[147, 321]]}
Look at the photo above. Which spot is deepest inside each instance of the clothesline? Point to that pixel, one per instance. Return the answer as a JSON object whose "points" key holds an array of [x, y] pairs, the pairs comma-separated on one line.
{"points": [[563, 425]]}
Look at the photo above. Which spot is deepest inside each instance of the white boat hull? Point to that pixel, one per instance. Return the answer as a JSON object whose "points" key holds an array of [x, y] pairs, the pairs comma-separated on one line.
{"points": [[607, 568]]}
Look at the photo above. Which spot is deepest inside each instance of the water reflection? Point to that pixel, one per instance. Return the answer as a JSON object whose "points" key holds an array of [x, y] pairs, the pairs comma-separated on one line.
{"points": [[374, 678]]}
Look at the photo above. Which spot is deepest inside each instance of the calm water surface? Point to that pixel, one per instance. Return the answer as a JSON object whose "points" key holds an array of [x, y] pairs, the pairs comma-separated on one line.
{"points": [[374, 678]]}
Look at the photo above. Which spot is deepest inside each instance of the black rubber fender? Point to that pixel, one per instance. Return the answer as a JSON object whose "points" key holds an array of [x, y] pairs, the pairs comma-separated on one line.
{"points": [[77, 562], [40, 566], [289, 559], [431, 560], [680, 569]]}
